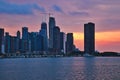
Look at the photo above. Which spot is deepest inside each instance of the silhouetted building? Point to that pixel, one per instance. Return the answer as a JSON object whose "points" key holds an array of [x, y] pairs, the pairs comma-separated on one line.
{"points": [[18, 41], [18, 34], [13, 44], [36, 41], [56, 40], [52, 24], [2, 48], [89, 38], [43, 33], [25, 34], [7, 42], [39, 43], [32, 37], [20, 46], [25, 39], [62, 42], [69, 43]]}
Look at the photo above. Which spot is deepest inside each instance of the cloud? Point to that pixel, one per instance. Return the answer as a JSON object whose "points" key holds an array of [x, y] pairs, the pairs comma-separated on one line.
{"points": [[109, 25], [35, 6], [19, 9], [79, 14], [57, 8]]}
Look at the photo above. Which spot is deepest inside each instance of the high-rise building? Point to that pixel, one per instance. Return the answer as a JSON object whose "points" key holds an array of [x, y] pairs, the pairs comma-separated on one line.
{"points": [[36, 41], [56, 39], [18, 41], [69, 43], [52, 24], [25, 39], [89, 38], [25, 33], [1, 40], [62, 42], [7, 42], [32, 37], [39, 43], [18, 34], [44, 26], [13, 44], [43, 33]]}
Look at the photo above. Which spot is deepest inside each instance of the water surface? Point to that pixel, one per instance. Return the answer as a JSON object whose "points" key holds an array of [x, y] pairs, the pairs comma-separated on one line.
{"points": [[68, 68]]}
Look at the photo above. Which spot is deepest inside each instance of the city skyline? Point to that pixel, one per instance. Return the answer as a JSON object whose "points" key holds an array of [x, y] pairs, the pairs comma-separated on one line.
{"points": [[70, 18], [38, 42]]}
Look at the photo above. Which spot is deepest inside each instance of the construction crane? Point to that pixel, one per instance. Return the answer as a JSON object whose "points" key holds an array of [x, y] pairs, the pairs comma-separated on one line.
{"points": [[44, 17]]}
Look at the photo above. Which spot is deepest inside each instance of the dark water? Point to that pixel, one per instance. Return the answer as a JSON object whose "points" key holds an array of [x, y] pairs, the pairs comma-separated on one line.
{"points": [[72, 68]]}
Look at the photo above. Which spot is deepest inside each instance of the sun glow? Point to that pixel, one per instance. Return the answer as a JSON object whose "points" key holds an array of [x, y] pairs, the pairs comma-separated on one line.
{"points": [[101, 39]]}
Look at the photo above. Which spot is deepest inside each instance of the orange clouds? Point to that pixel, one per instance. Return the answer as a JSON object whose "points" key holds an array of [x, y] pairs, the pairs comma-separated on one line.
{"points": [[108, 36]]}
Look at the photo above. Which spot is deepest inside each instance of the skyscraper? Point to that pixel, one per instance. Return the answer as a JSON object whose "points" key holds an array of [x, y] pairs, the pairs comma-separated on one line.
{"points": [[39, 43], [56, 39], [18, 34], [36, 41], [69, 43], [43, 33], [18, 41], [25, 33], [62, 42], [51, 26], [32, 37], [7, 42], [13, 44], [1, 40], [89, 38], [25, 39]]}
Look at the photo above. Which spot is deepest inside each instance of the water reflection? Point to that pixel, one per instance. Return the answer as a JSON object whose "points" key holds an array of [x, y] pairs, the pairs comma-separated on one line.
{"points": [[89, 68], [71, 68]]}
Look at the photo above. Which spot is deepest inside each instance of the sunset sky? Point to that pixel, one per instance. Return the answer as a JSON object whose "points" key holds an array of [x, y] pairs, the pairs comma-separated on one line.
{"points": [[70, 15]]}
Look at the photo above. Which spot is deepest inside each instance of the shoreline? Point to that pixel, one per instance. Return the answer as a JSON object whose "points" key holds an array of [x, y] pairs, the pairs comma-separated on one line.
{"points": [[51, 56]]}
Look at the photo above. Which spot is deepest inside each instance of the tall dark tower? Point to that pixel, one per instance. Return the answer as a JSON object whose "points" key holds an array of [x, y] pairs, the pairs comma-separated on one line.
{"points": [[51, 26], [56, 39], [69, 43], [89, 38], [18, 41], [18, 34], [1, 40], [25, 39], [25, 33], [62, 42], [7, 43], [44, 25], [43, 33]]}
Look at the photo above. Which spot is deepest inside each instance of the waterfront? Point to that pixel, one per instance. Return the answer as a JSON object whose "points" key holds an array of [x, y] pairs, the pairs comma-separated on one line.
{"points": [[66, 68]]}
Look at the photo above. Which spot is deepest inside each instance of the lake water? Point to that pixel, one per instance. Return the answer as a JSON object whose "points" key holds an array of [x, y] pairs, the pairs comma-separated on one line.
{"points": [[66, 68]]}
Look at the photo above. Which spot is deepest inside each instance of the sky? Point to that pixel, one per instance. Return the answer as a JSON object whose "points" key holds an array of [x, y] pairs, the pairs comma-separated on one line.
{"points": [[70, 15]]}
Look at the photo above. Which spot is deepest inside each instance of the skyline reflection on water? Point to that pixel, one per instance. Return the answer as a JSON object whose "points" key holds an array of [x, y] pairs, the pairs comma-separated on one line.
{"points": [[68, 68]]}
